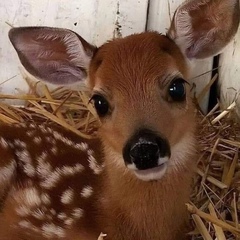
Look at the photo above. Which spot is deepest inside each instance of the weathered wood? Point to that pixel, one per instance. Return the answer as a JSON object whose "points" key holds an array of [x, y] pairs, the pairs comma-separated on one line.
{"points": [[229, 74]]}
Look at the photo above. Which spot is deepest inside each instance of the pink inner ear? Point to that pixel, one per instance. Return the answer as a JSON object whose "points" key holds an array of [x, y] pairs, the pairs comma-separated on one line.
{"points": [[202, 28], [52, 55]]}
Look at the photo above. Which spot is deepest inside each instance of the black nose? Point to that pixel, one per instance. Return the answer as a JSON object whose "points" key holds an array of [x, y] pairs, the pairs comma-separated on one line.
{"points": [[145, 149]]}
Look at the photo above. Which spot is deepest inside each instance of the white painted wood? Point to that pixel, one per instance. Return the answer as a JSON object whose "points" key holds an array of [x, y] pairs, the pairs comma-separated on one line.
{"points": [[95, 20], [160, 14], [229, 74], [127, 17]]}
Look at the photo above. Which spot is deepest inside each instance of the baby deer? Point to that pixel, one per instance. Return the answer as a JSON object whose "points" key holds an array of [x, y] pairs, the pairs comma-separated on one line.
{"points": [[133, 182]]}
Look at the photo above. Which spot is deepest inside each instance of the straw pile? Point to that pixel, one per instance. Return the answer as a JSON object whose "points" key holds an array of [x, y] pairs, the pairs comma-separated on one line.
{"points": [[215, 200], [67, 108]]}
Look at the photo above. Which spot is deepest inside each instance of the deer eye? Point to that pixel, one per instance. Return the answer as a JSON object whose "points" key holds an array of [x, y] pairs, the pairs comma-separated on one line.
{"points": [[101, 105], [177, 90]]}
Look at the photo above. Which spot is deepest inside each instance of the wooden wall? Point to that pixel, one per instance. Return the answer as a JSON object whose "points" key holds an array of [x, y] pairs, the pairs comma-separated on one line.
{"points": [[98, 21], [229, 74]]}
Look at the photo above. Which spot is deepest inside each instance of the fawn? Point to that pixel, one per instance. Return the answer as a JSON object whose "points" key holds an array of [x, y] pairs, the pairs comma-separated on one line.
{"points": [[133, 181]]}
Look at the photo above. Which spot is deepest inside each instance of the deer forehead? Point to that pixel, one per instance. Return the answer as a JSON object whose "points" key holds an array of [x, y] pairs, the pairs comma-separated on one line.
{"points": [[141, 59]]}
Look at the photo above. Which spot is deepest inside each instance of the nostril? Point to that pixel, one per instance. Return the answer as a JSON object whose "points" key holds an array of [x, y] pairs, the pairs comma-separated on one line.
{"points": [[145, 151]]}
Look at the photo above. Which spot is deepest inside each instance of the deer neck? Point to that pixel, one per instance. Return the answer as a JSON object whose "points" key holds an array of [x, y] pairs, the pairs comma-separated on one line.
{"points": [[145, 206]]}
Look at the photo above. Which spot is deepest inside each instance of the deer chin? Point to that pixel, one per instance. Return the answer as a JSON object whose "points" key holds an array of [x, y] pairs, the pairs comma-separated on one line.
{"points": [[151, 174]]}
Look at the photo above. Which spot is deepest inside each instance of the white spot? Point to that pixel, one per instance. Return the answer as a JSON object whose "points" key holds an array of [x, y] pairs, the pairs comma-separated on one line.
{"points": [[50, 130], [45, 198], [54, 150], [97, 169], [63, 139], [67, 196], [37, 140], [7, 172], [43, 129], [69, 171], [28, 225], [77, 213], [27, 198], [82, 146], [32, 125], [25, 157], [3, 143], [42, 157], [31, 197], [51, 180], [53, 212], [62, 216], [44, 169], [25, 224], [69, 221], [39, 214], [22, 125], [87, 192], [11, 145], [20, 143], [49, 139], [30, 133], [35, 229], [50, 230], [102, 236], [23, 211], [90, 152]]}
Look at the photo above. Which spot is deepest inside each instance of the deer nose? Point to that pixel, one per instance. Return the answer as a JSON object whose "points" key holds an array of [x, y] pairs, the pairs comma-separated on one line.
{"points": [[146, 150]]}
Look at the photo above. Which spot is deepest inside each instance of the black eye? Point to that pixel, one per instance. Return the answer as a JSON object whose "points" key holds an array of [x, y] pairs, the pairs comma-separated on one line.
{"points": [[101, 105], [177, 90]]}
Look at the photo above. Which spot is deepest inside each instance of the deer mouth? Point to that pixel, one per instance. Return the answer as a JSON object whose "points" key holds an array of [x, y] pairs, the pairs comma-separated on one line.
{"points": [[151, 174]]}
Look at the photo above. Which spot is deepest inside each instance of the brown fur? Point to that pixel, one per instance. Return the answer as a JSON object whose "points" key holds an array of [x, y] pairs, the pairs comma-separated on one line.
{"points": [[54, 186], [126, 207]]}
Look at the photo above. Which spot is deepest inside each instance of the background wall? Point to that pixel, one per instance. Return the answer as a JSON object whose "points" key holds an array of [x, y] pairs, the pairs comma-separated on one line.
{"points": [[98, 21], [229, 73]]}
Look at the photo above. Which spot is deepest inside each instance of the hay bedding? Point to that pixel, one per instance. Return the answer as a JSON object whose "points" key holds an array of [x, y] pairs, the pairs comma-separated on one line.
{"points": [[215, 200]]}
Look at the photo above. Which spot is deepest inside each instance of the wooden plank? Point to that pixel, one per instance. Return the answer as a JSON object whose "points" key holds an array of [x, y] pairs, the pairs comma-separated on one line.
{"points": [[95, 20], [229, 74], [160, 15], [119, 19]]}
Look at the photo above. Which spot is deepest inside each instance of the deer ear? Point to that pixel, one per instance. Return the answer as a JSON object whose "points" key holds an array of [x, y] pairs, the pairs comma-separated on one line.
{"points": [[53, 55], [202, 28]]}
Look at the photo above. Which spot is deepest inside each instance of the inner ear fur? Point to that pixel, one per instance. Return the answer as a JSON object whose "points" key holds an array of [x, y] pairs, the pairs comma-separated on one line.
{"points": [[54, 55], [202, 28]]}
